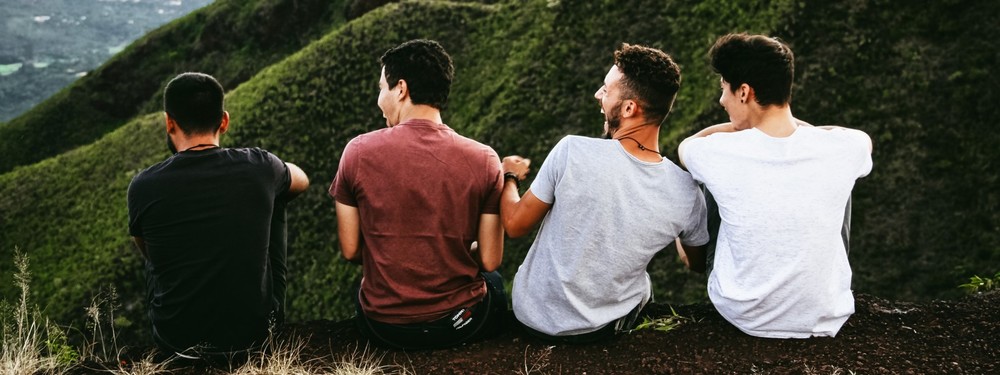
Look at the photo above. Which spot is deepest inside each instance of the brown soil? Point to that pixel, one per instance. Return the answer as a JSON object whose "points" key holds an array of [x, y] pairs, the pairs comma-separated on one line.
{"points": [[882, 337]]}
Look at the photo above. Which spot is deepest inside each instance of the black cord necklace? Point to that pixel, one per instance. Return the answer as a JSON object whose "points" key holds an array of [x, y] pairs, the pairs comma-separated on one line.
{"points": [[201, 145], [641, 147]]}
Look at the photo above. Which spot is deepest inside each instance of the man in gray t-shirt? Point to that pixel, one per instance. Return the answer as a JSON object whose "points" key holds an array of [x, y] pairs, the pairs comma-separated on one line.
{"points": [[606, 207]]}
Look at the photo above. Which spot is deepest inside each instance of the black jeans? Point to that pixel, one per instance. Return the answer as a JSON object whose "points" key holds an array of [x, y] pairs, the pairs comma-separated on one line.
{"points": [[612, 329], [484, 319]]}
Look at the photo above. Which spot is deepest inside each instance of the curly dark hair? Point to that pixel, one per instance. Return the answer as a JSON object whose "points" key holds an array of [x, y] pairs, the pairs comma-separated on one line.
{"points": [[425, 66], [195, 102], [651, 78], [766, 64]]}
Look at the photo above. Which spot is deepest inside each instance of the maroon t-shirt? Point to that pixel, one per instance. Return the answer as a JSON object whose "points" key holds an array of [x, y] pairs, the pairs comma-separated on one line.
{"points": [[420, 188]]}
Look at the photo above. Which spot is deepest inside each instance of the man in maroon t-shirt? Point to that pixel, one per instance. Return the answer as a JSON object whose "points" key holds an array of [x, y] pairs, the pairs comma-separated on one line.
{"points": [[413, 201]]}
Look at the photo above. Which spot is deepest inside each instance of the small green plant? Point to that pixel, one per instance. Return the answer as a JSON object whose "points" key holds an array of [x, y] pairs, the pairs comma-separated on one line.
{"points": [[58, 345], [664, 323], [981, 284]]}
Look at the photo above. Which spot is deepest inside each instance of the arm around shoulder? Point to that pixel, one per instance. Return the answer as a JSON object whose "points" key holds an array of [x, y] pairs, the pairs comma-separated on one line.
{"points": [[860, 134], [726, 127]]}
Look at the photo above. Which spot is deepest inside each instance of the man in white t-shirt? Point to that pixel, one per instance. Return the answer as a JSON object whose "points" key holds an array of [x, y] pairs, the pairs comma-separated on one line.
{"points": [[780, 267], [606, 206]]}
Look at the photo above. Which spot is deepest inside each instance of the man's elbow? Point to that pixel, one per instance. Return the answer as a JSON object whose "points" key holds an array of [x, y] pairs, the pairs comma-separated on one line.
{"points": [[300, 181], [352, 257], [513, 230], [490, 265]]}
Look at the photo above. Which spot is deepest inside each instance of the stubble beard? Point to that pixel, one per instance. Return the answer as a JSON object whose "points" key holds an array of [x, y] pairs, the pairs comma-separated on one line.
{"points": [[613, 121]]}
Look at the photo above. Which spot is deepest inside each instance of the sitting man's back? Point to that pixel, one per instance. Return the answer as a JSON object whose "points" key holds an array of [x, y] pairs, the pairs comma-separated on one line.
{"points": [[202, 219], [411, 200], [781, 267], [606, 207]]}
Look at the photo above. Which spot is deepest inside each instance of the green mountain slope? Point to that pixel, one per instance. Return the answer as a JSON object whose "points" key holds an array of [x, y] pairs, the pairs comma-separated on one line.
{"points": [[231, 39], [525, 73], [915, 76]]}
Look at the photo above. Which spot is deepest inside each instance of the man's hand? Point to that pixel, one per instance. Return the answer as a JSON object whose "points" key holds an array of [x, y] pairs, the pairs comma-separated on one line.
{"points": [[693, 257], [517, 165], [680, 253]]}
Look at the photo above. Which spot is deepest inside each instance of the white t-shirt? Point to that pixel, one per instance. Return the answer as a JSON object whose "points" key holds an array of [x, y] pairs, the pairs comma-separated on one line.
{"points": [[780, 268], [611, 212]]}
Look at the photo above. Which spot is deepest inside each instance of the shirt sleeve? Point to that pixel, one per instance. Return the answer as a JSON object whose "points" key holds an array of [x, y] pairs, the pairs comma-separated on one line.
{"points": [[864, 142], [134, 225], [282, 175], [342, 187], [544, 185], [696, 232], [692, 157]]}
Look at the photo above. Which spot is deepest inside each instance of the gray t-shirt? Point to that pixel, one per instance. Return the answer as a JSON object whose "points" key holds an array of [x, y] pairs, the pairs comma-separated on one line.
{"points": [[611, 212]]}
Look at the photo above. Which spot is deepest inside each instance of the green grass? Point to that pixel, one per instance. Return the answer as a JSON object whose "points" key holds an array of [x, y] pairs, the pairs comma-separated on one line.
{"points": [[664, 323], [525, 75], [33, 345], [978, 284]]}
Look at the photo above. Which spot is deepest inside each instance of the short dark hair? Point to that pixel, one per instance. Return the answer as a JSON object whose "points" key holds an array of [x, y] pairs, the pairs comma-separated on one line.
{"points": [[651, 78], [426, 68], [195, 102], [764, 63]]}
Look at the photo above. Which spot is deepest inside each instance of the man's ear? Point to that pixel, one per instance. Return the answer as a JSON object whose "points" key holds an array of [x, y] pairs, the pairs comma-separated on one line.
{"points": [[745, 93], [402, 90], [630, 108], [170, 123], [224, 125]]}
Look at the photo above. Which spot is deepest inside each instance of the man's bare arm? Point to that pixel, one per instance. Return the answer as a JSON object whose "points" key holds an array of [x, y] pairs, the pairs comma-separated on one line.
{"points": [[299, 180], [694, 257], [726, 127], [490, 242], [140, 244], [349, 231], [519, 214]]}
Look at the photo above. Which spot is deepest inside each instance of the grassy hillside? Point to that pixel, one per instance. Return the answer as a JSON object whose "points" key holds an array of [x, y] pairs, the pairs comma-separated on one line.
{"points": [[915, 77], [230, 39], [525, 73]]}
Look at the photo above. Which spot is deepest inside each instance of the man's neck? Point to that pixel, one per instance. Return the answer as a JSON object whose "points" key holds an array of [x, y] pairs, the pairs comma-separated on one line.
{"points": [[642, 140], [420, 112], [196, 141], [776, 121]]}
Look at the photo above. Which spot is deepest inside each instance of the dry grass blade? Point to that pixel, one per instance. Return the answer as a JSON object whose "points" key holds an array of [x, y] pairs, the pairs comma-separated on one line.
{"points": [[24, 338]]}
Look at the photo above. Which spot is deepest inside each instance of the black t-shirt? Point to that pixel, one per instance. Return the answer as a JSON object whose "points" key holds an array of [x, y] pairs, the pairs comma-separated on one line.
{"points": [[205, 219]]}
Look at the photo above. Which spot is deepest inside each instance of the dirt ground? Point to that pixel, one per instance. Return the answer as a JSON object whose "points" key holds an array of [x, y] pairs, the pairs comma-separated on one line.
{"points": [[882, 337]]}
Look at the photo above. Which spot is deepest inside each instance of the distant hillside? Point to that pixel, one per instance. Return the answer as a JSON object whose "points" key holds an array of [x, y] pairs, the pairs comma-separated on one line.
{"points": [[46, 45], [230, 39], [915, 77]]}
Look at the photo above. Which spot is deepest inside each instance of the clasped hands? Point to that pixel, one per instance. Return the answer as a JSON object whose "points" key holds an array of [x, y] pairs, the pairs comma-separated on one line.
{"points": [[517, 165]]}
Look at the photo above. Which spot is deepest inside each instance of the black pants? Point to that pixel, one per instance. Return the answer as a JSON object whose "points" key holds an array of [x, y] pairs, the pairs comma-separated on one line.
{"points": [[620, 325], [485, 319]]}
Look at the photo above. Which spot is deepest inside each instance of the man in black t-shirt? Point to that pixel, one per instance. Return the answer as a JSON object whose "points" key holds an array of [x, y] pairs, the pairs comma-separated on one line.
{"points": [[202, 220]]}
